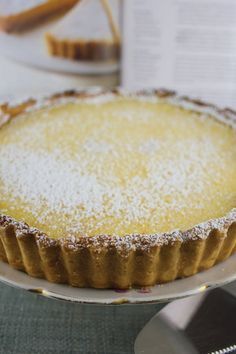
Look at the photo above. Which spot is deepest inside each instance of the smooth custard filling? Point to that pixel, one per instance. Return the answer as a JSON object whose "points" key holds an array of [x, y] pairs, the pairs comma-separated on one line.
{"points": [[121, 166]]}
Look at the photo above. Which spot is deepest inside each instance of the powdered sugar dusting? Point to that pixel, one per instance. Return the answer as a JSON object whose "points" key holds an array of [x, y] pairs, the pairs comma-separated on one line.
{"points": [[111, 181]]}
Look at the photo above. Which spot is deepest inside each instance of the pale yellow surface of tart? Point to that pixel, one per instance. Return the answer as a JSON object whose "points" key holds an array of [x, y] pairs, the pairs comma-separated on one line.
{"points": [[119, 167]]}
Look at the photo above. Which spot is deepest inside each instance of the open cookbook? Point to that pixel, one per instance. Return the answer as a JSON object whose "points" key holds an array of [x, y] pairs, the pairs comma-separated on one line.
{"points": [[185, 45]]}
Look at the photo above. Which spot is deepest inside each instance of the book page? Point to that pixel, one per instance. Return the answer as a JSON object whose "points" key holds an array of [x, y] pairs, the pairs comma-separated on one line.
{"points": [[185, 45]]}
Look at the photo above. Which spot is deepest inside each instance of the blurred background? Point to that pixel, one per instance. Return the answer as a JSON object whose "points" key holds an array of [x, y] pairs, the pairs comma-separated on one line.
{"points": [[185, 45], [56, 45], [53, 45]]}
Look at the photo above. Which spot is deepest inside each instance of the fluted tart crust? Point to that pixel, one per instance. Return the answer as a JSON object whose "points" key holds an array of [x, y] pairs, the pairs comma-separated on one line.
{"points": [[87, 50], [110, 261]]}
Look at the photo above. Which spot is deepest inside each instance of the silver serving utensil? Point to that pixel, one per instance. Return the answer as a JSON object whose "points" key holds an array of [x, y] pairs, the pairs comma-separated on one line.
{"points": [[230, 349], [205, 324]]}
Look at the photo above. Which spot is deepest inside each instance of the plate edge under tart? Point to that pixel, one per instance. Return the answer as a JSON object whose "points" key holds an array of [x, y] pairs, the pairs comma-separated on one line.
{"points": [[105, 261]]}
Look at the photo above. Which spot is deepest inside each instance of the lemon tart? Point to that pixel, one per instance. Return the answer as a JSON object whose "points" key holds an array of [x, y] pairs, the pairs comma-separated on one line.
{"points": [[89, 32], [113, 190]]}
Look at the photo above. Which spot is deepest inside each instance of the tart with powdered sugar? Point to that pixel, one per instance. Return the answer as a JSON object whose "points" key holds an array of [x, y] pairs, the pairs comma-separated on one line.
{"points": [[89, 32], [116, 190]]}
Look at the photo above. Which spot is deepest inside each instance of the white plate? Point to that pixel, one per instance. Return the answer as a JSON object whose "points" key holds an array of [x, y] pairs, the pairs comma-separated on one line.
{"points": [[221, 274], [29, 48]]}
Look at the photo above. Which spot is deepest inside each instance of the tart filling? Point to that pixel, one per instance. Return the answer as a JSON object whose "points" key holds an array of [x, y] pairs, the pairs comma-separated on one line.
{"points": [[119, 167], [132, 169]]}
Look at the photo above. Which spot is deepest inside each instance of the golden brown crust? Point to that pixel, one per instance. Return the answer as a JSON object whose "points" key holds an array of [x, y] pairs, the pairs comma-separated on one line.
{"points": [[107, 261], [86, 265], [34, 16], [88, 50]]}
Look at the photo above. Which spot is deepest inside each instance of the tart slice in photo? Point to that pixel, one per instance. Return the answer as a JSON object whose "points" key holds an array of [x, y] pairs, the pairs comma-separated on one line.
{"points": [[113, 190], [90, 31], [17, 15]]}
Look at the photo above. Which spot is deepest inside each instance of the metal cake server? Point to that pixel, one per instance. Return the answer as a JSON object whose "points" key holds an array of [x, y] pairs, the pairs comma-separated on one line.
{"points": [[203, 324]]}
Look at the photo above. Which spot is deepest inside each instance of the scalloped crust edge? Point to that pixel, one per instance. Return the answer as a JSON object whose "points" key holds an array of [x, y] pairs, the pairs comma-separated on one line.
{"points": [[103, 262], [115, 262], [82, 50]]}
